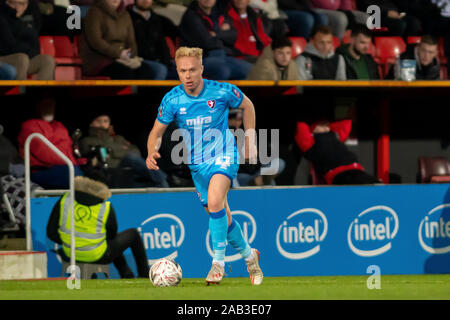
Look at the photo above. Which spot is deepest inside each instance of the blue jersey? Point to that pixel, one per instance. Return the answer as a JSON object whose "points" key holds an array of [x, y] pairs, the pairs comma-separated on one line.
{"points": [[203, 119]]}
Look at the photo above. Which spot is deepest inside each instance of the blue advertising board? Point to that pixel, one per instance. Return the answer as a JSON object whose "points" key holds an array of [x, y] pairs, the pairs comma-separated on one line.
{"points": [[404, 229]]}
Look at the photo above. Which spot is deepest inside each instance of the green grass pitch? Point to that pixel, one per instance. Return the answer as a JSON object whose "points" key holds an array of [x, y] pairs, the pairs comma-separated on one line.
{"points": [[273, 288]]}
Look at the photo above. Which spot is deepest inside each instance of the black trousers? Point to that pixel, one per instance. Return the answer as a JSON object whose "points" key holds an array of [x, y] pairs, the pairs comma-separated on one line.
{"points": [[354, 177], [129, 238]]}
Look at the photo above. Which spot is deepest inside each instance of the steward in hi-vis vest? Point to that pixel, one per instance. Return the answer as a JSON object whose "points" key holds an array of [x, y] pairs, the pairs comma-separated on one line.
{"points": [[90, 231], [96, 237]]}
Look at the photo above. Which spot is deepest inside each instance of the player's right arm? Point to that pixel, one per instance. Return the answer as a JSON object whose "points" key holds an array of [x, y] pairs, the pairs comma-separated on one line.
{"points": [[154, 143]]}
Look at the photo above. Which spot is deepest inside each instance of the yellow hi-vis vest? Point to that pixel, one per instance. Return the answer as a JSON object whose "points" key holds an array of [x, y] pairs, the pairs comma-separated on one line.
{"points": [[90, 230]]}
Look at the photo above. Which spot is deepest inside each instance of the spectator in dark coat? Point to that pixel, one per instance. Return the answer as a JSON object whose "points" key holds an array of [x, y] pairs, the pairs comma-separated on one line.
{"points": [[205, 27], [20, 22], [425, 54], [150, 30], [359, 64], [108, 45]]}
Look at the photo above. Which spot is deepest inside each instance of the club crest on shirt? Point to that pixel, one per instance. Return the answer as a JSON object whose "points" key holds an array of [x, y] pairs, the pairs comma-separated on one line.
{"points": [[160, 114], [211, 103], [236, 93]]}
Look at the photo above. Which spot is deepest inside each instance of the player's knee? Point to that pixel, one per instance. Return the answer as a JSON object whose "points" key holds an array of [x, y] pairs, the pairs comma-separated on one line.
{"points": [[215, 204]]}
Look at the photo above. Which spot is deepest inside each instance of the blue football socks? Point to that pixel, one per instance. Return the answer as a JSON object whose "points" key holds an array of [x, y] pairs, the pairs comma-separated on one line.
{"points": [[236, 238], [218, 227]]}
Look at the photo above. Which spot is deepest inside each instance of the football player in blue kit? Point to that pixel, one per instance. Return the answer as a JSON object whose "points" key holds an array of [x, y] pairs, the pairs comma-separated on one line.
{"points": [[200, 109]]}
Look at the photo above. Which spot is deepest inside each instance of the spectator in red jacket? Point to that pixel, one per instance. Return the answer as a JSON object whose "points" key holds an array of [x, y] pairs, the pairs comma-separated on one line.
{"points": [[322, 143], [251, 37], [47, 169]]}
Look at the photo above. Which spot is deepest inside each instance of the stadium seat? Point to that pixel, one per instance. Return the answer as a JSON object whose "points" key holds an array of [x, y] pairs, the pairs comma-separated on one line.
{"points": [[387, 51], [68, 64], [172, 47], [442, 57], [413, 40], [65, 52], [434, 169], [336, 42], [298, 46], [347, 36], [47, 45]]}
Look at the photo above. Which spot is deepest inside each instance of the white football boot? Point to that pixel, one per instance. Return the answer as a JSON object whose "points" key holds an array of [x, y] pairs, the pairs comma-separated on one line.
{"points": [[254, 271], [215, 275]]}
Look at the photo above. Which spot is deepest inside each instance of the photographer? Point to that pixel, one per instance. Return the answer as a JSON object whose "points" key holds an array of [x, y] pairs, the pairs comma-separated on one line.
{"points": [[111, 155]]}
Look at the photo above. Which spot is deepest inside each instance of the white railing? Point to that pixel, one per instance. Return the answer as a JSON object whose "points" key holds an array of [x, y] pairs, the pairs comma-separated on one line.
{"points": [[28, 192]]}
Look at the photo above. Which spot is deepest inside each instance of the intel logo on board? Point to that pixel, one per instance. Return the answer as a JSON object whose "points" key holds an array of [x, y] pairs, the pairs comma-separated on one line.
{"points": [[300, 235], [371, 233], [434, 230]]}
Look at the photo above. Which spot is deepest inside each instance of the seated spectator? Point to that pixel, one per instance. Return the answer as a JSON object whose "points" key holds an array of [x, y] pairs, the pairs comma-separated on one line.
{"points": [[20, 23], [251, 37], [333, 9], [205, 27], [274, 20], [106, 245], [319, 61], [108, 45], [47, 169], [254, 174], [322, 143], [359, 64], [7, 72], [119, 154], [399, 23], [302, 19], [150, 30], [426, 63], [276, 62]]}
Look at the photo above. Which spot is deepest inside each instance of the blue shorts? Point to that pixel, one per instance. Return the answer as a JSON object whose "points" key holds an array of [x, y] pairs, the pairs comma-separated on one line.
{"points": [[202, 174]]}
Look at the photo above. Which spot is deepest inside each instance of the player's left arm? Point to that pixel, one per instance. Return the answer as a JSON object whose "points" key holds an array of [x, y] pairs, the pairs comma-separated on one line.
{"points": [[249, 119]]}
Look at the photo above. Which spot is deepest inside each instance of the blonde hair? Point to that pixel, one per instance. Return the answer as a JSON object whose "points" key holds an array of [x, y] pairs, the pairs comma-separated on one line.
{"points": [[189, 52]]}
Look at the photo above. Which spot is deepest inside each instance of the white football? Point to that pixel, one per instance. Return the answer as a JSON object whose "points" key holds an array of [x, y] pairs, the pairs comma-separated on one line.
{"points": [[165, 273]]}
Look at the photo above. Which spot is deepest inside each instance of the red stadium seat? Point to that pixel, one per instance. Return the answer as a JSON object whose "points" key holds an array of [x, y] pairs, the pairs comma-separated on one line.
{"points": [[413, 40], [442, 57], [47, 45], [347, 36], [336, 42], [387, 50], [434, 169], [172, 47], [67, 73], [65, 52], [68, 64], [298, 46]]}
